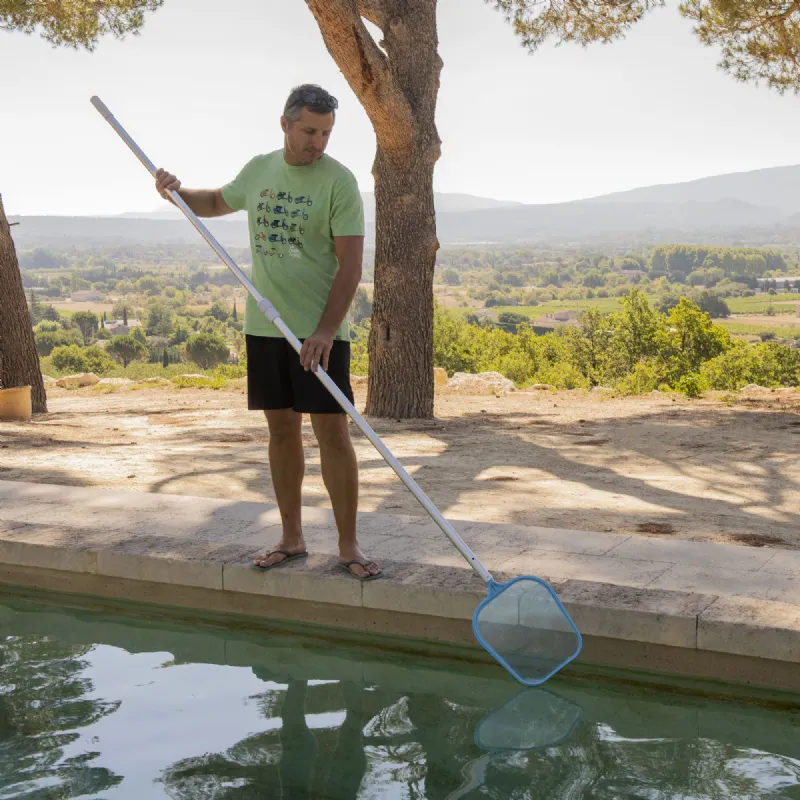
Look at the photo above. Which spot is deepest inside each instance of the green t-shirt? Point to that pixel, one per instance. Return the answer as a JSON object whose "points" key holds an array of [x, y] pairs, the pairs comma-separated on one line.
{"points": [[293, 214]]}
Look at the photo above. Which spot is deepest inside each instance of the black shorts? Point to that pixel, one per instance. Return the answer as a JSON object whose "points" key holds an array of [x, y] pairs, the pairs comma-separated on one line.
{"points": [[276, 379]]}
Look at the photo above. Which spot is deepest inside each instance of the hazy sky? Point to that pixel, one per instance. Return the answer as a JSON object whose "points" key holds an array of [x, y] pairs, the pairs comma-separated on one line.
{"points": [[202, 89]]}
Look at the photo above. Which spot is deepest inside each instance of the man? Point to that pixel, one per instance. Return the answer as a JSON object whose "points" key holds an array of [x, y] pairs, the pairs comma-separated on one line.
{"points": [[306, 224]]}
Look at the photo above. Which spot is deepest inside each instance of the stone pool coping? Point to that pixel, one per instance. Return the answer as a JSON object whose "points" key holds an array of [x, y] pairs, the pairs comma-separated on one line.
{"points": [[695, 608]]}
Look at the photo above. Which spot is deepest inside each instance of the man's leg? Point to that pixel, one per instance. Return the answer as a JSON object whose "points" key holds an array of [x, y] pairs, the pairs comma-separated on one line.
{"points": [[340, 474], [287, 466]]}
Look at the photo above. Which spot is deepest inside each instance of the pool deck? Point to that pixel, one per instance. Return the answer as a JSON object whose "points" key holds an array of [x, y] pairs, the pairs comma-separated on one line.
{"points": [[700, 609]]}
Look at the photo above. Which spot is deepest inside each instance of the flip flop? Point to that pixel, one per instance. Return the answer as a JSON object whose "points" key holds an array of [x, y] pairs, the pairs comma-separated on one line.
{"points": [[345, 565], [289, 557]]}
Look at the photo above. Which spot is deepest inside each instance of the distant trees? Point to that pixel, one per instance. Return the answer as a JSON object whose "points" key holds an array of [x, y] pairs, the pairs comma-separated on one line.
{"points": [[160, 320], [126, 349], [206, 350], [361, 307], [713, 305], [87, 323], [679, 261], [451, 277], [48, 340]]}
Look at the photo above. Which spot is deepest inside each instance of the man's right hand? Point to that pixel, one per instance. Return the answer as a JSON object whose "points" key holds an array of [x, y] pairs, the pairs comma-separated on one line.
{"points": [[165, 181]]}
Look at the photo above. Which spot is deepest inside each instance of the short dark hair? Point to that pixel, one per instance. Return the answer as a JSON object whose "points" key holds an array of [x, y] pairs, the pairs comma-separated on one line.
{"points": [[309, 96]]}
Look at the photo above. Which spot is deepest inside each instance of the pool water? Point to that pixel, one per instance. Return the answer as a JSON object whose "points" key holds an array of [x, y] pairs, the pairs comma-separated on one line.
{"points": [[99, 705]]}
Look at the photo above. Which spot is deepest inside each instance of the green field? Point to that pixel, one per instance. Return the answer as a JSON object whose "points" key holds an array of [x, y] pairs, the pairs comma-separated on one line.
{"points": [[748, 329], [758, 304]]}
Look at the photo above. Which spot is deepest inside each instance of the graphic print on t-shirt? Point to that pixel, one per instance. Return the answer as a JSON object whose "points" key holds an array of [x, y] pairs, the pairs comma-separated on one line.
{"points": [[283, 218]]}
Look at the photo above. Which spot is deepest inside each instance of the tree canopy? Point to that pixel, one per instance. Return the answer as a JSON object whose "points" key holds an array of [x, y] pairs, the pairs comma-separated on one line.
{"points": [[75, 23]]}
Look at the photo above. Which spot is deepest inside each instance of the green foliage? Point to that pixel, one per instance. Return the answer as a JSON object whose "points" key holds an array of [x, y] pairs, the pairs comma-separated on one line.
{"points": [[122, 310], [98, 361], [40, 257], [594, 279], [186, 382], [359, 348], [689, 339], [46, 325], [126, 349], [451, 277], [75, 23], [692, 385], [562, 375], [48, 340], [534, 22], [644, 378], [206, 350], [219, 312], [759, 39], [713, 305], [361, 307], [138, 334], [50, 314], [512, 317], [636, 350], [769, 364], [636, 332], [87, 323], [230, 371], [69, 359], [678, 261], [160, 320]]}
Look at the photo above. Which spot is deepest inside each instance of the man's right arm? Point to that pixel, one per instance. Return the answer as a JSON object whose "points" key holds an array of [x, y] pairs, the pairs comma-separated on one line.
{"points": [[203, 202]]}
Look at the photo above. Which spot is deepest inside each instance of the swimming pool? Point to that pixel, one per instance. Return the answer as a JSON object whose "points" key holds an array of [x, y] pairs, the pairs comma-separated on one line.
{"points": [[108, 705]]}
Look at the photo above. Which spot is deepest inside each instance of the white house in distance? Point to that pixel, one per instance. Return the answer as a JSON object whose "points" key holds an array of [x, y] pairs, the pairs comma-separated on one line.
{"points": [[116, 327], [790, 283], [85, 296]]}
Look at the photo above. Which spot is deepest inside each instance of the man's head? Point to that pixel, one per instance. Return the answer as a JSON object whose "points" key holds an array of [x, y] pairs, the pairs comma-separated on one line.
{"points": [[307, 122]]}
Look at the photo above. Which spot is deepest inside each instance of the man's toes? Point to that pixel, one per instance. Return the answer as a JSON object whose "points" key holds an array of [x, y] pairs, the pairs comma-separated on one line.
{"points": [[268, 560]]}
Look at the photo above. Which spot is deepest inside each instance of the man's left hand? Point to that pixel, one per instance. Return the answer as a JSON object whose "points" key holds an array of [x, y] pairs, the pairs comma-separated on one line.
{"points": [[316, 349]]}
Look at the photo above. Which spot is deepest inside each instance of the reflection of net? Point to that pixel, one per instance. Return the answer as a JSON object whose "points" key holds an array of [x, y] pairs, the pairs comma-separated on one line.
{"points": [[527, 628], [533, 719]]}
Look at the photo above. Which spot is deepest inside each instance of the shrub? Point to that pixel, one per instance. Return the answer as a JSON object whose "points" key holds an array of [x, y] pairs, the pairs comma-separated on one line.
{"points": [[644, 378], [206, 350], [69, 359], [517, 367], [692, 385], [563, 376], [48, 340]]}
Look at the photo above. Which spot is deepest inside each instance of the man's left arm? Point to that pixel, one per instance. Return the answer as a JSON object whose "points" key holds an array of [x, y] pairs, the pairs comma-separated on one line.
{"points": [[347, 228]]}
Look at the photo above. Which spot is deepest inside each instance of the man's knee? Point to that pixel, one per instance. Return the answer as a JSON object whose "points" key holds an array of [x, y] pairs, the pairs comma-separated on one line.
{"points": [[284, 426], [332, 431]]}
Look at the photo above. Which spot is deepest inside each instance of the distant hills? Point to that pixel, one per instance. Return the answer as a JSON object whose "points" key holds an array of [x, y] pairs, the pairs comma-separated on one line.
{"points": [[444, 203], [760, 203], [777, 188]]}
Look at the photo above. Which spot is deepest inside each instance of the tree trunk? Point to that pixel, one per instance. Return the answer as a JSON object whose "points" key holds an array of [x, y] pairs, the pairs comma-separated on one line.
{"points": [[18, 356], [401, 334], [397, 82]]}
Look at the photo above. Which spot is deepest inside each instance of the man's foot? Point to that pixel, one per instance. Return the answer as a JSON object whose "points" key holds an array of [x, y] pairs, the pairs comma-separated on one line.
{"points": [[359, 566], [280, 555]]}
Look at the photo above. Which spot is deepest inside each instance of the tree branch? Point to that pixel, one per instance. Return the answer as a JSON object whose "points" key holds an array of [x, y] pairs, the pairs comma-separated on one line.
{"points": [[372, 11], [366, 70]]}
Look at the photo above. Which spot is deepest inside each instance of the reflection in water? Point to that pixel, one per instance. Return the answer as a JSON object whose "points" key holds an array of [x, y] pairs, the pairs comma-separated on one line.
{"points": [[99, 706], [42, 702]]}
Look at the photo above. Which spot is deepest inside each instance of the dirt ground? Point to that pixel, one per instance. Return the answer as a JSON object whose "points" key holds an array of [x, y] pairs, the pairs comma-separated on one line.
{"points": [[718, 469]]}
